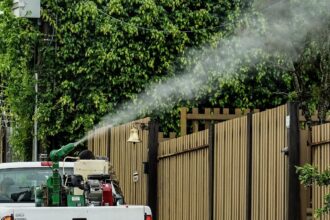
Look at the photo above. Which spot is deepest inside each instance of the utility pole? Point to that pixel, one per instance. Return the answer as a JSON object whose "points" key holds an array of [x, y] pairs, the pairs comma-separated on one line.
{"points": [[31, 9], [35, 132], [2, 133]]}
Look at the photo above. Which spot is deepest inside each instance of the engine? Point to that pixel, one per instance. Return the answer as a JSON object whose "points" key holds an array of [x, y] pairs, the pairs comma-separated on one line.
{"points": [[97, 190], [89, 185]]}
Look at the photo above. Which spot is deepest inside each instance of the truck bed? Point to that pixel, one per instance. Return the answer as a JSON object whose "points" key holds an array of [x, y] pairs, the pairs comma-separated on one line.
{"points": [[78, 213]]}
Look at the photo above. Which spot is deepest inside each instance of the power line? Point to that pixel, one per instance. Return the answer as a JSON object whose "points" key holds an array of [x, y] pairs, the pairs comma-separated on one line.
{"points": [[164, 31], [224, 24]]}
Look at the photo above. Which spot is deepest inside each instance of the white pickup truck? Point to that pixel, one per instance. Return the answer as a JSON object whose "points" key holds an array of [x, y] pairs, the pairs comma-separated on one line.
{"points": [[17, 199]]}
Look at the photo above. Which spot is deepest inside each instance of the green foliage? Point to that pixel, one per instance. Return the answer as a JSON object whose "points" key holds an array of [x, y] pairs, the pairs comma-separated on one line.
{"points": [[311, 70], [250, 78], [308, 175], [94, 55], [17, 44]]}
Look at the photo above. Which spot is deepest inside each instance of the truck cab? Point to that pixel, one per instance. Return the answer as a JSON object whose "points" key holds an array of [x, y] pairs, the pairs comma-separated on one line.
{"points": [[19, 179], [17, 198]]}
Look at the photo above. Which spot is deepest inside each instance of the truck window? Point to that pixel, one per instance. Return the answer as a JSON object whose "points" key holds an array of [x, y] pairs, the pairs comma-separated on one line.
{"points": [[18, 184]]}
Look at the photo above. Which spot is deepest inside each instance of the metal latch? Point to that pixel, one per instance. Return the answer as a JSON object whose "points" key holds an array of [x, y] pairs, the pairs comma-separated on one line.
{"points": [[285, 151]]}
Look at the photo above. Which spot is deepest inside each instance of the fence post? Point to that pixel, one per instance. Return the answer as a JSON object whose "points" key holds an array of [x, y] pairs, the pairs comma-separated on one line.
{"points": [[292, 124], [249, 167], [211, 170], [183, 121], [152, 167], [108, 145]]}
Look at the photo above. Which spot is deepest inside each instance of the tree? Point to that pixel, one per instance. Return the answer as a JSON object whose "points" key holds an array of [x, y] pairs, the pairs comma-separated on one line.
{"points": [[309, 175], [94, 55], [294, 61], [312, 75], [17, 45]]}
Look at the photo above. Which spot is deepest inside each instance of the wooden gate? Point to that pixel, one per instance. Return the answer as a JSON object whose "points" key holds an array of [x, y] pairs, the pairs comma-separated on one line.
{"points": [[270, 165], [252, 167], [183, 178], [230, 169]]}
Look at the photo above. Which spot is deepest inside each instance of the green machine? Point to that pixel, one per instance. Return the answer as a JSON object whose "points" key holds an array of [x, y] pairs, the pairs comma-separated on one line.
{"points": [[52, 193], [97, 188]]}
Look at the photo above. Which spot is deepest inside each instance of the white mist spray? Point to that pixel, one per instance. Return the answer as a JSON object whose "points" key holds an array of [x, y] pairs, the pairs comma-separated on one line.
{"points": [[287, 24]]}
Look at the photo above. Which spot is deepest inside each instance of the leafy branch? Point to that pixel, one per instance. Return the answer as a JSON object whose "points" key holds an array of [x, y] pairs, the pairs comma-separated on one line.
{"points": [[308, 176]]}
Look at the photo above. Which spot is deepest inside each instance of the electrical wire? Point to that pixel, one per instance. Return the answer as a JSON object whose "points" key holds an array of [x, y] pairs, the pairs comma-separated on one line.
{"points": [[158, 30], [223, 25]]}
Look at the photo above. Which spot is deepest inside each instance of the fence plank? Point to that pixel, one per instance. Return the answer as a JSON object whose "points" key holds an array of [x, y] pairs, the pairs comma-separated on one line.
{"points": [[195, 122], [320, 159], [183, 121], [255, 166]]}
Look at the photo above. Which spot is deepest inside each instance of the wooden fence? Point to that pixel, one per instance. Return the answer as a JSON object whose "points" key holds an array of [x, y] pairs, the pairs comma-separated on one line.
{"points": [[305, 157], [183, 178], [200, 121], [269, 167], [230, 169], [243, 168], [250, 168], [126, 158], [321, 159], [249, 174], [194, 120]]}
